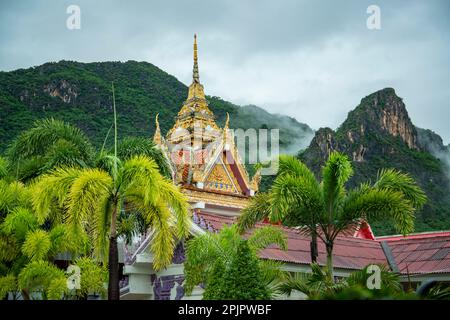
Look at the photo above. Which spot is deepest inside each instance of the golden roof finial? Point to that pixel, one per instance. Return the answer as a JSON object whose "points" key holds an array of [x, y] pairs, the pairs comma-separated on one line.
{"points": [[196, 76], [227, 123], [256, 180], [157, 138]]}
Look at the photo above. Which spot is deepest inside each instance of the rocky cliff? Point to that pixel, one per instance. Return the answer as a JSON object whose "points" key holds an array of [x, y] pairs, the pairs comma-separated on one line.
{"points": [[378, 134]]}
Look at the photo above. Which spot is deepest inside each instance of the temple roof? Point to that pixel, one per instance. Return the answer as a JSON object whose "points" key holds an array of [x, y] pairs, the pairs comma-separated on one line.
{"points": [[200, 153], [349, 252], [421, 253], [426, 253]]}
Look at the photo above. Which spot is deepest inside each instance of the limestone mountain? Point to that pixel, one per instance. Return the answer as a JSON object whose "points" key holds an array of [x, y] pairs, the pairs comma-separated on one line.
{"points": [[80, 93], [377, 134]]}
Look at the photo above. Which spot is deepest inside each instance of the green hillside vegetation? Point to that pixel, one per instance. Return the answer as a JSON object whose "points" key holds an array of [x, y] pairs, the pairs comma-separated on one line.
{"points": [[80, 94]]}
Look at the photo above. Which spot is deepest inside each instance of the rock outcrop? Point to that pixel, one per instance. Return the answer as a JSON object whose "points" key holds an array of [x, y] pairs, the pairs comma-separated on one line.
{"points": [[379, 134]]}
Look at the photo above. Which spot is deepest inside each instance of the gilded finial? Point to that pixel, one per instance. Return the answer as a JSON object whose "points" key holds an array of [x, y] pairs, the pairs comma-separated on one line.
{"points": [[256, 180], [196, 76], [157, 138], [227, 123]]}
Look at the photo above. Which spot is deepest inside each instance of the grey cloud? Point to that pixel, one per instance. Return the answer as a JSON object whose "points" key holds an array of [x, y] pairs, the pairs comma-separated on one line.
{"points": [[313, 60]]}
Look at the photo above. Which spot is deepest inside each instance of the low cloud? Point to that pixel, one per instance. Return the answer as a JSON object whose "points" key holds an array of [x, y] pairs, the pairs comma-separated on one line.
{"points": [[310, 60]]}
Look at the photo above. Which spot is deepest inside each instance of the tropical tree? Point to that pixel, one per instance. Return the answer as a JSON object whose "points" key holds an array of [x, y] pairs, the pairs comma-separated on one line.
{"points": [[240, 280], [210, 256], [93, 198], [318, 285], [129, 147], [47, 145], [28, 250], [326, 209]]}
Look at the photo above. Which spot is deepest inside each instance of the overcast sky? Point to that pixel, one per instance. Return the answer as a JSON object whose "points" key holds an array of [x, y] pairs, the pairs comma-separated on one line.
{"points": [[313, 60]]}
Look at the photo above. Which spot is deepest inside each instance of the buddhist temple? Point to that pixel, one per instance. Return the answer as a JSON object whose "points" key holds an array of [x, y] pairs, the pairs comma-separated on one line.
{"points": [[205, 163], [203, 157]]}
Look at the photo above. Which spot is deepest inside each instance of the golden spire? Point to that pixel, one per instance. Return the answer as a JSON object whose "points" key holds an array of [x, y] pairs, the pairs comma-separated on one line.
{"points": [[227, 123], [157, 138], [195, 75], [256, 180]]}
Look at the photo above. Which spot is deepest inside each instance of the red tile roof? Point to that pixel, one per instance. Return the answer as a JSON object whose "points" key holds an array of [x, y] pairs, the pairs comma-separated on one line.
{"points": [[349, 252], [421, 253]]}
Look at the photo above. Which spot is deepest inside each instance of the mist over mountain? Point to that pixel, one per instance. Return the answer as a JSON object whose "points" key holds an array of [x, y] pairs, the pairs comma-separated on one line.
{"points": [[378, 134], [80, 93]]}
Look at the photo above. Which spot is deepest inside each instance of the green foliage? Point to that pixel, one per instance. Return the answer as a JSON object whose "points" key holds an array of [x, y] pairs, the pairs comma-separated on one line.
{"points": [[318, 286], [57, 289], [216, 289], [7, 284], [3, 168], [40, 276], [13, 194], [135, 146], [37, 245], [63, 240], [86, 199], [142, 91], [257, 210], [362, 133], [240, 280], [313, 285], [209, 253], [48, 144], [19, 222], [327, 209], [93, 277]]}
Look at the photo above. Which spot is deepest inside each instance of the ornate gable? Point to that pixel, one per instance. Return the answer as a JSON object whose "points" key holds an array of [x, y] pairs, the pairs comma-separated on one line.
{"points": [[203, 156], [220, 179]]}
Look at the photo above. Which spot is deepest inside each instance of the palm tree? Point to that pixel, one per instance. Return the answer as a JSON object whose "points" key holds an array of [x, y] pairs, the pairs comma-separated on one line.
{"points": [[132, 146], [318, 285], [48, 144], [93, 198], [326, 209], [210, 251], [27, 251]]}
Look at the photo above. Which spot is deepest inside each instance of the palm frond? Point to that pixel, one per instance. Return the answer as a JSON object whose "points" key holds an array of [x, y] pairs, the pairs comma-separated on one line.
{"points": [[142, 179], [163, 242], [130, 147], [86, 193], [401, 182], [389, 281], [7, 284], [19, 222], [43, 135], [296, 195], [201, 254], [37, 275], [259, 207], [37, 245], [290, 165], [267, 235], [3, 168], [57, 288], [336, 172], [376, 204], [50, 192], [13, 194]]}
